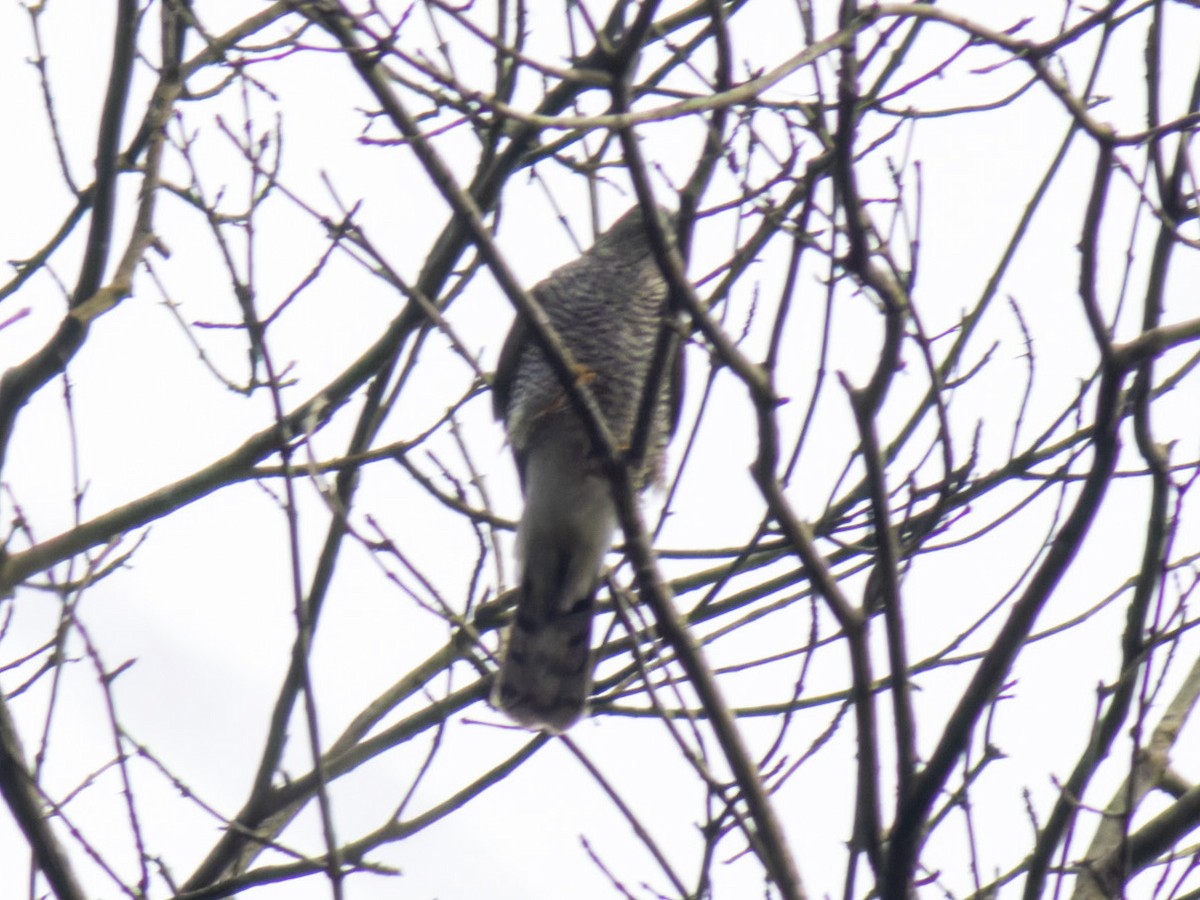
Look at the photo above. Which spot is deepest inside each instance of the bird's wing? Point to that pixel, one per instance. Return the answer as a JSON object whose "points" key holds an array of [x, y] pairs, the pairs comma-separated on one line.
{"points": [[675, 389], [506, 366]]}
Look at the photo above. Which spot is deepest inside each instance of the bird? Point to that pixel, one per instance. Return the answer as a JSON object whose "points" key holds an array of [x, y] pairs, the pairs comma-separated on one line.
{"points": [[608, 307]]}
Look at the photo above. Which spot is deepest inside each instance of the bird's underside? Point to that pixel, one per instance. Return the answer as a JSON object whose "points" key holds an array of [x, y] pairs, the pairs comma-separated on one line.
{"points": [[608, 308]]}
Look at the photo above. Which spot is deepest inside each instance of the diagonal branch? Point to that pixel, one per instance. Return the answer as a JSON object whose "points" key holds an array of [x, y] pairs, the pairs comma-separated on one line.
{"points": [[24, 801]]}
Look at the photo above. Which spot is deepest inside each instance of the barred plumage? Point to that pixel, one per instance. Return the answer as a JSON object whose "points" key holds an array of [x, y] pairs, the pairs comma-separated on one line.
{"points": [[608, 307]]}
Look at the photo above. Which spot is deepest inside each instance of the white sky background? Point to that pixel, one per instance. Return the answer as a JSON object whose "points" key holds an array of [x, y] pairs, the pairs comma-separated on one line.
{"points": [[205, 608]]}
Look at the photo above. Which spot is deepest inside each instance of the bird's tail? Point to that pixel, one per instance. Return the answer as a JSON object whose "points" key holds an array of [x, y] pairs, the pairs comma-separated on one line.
{"points": [[546, 665], [567, 528]]}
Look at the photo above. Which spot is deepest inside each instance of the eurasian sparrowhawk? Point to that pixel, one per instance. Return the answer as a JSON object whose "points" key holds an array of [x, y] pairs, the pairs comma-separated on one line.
{"points": [[608, 308]]}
